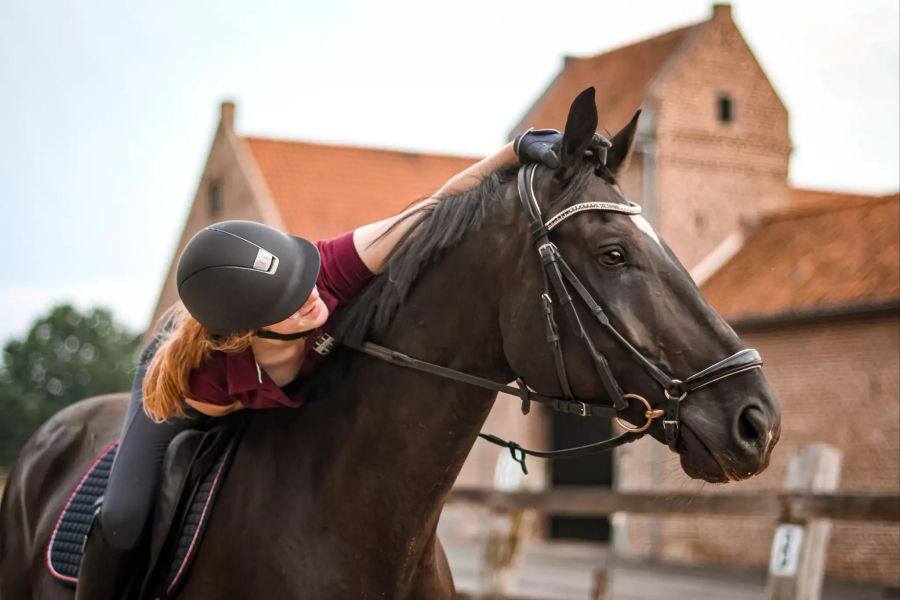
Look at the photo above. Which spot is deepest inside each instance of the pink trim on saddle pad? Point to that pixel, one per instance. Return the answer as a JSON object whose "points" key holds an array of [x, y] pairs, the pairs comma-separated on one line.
{"points": [[66, 509], [201, 522]]}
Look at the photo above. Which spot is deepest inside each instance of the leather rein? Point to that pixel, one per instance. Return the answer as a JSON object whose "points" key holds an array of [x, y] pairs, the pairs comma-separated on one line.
{"points": [[557, 274]]}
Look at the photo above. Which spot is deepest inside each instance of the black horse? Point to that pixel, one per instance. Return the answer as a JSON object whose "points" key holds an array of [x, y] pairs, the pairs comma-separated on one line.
{"points": [[341, 499]]}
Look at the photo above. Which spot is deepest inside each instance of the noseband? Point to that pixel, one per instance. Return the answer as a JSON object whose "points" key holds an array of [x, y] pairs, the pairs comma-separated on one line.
{"points": [[557, 274]]}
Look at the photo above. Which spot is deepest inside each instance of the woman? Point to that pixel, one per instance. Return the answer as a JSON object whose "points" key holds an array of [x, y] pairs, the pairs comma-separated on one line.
{"points": [[251, 296]]}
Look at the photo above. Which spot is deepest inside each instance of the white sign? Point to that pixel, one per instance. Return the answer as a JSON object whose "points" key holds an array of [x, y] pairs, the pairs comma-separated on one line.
{"points": [[786, 550]]}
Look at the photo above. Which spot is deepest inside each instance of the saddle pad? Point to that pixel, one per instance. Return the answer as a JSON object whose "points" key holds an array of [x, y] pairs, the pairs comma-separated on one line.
{"points": [[194, 521], [65, 549]]}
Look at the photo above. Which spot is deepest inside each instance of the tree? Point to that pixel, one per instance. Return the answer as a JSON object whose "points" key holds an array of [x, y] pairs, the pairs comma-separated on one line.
{"points": [[66, 356]]}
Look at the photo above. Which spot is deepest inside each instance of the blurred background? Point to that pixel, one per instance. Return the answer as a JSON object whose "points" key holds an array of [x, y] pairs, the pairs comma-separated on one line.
{"points": [[767, 156]]}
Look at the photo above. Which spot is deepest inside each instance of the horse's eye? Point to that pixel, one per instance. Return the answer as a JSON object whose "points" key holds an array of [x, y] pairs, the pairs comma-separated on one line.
{"points": [[612, 257]]}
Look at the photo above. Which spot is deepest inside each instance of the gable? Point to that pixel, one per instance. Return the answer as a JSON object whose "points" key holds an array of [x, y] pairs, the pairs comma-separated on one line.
{"points": [[622, 78]]}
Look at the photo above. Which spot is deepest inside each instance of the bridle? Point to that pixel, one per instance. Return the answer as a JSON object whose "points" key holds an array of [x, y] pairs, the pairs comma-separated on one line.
{"points": [[556, 275]]}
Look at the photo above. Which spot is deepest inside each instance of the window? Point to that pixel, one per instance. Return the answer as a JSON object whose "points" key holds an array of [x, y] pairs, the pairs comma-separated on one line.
{"points": [[726, 109], [214, 198]]}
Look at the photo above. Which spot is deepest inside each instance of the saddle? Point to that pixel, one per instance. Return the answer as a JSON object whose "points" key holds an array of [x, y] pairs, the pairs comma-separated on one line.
{"points": [[194, 468]]}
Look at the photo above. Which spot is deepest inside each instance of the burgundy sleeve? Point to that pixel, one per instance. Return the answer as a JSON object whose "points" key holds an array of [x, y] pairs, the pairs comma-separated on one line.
{"points": [[343, 273]]}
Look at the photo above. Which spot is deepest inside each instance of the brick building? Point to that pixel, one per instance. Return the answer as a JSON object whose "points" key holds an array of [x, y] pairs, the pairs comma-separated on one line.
{"points": [[809, 278]]}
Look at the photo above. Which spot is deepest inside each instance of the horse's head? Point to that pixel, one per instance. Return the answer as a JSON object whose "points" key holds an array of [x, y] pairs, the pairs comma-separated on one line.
{"points": [[727, 426]]}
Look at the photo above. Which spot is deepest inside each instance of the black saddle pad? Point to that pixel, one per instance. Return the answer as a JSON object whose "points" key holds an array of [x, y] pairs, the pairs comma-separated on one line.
{"points": [[64, 552]]}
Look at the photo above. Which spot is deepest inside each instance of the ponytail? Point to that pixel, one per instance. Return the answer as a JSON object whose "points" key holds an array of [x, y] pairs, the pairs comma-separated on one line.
{"points": [[184, 344]]}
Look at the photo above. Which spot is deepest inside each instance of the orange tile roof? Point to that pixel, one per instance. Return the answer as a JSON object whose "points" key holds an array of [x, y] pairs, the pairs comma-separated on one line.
{"points": [[828, 251], [810, 198], [322, 190], [622, 78]]}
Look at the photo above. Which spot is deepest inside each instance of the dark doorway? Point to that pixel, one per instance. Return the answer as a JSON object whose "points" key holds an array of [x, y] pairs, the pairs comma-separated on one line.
{"points": [[568, 431]]}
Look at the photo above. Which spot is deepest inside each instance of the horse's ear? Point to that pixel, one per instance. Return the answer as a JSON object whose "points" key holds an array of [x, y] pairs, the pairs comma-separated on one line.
{"points": [[580, 127], [622, 142]]}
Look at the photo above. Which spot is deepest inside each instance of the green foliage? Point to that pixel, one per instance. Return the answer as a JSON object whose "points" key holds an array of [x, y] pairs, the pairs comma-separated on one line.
{"points": [[66, 356]]}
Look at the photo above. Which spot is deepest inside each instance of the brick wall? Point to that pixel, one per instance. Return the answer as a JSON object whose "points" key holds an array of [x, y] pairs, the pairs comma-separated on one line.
{"points": [[712, 174], [837, 383]]}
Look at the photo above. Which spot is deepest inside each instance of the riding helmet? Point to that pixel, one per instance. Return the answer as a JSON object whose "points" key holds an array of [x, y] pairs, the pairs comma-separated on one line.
{"points": [[236, 276]]}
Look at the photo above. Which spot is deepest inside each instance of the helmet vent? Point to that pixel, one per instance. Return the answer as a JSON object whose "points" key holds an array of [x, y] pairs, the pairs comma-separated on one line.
{"points": [[265, 261]]}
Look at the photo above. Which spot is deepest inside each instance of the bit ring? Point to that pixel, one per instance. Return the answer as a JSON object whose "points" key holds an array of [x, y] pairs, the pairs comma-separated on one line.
{"points": [[650, 414]]}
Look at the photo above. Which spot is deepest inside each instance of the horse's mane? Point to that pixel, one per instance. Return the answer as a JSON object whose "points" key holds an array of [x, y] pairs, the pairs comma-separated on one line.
{"points": [[436, 227]]}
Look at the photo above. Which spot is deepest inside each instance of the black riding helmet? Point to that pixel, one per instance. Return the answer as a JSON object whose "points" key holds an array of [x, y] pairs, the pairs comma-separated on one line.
{"points": [[236, 276]]}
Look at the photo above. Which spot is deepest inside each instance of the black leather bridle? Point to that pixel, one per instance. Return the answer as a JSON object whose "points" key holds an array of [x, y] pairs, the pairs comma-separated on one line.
{"points": [[556, 275]]}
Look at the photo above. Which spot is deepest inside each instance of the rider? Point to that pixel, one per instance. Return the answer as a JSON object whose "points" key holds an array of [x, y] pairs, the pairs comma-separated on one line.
{"points": [[250, 294]]}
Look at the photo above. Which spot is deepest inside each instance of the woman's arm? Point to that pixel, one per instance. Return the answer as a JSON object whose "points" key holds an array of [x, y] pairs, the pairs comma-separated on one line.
{"points": [[374, 253]]}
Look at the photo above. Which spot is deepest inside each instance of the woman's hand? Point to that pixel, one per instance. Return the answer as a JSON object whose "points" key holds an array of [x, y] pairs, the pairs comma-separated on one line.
{"points": [[538, 146]]}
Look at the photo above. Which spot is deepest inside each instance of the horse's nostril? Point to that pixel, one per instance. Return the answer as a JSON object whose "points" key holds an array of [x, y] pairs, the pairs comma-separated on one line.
{"points": [[752, 426]]}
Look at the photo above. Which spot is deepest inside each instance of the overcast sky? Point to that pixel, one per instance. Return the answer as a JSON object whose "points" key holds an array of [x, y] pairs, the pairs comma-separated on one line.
{"points": [[107, 109]]}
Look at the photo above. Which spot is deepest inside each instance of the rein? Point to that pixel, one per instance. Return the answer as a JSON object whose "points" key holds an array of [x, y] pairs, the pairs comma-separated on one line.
{"points": [[556, 275]]}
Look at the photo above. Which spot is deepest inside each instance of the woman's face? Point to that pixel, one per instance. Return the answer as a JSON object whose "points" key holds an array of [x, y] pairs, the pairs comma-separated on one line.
{"points": [[311, 315]]}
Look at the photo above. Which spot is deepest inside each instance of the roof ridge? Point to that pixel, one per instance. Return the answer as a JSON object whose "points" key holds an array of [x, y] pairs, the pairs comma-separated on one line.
{"points": [[361, 147], [817, 208], [833, 192], [670, 32]]}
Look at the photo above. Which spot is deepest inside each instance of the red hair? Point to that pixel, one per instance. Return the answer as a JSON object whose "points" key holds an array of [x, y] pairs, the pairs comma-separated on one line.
{"points": [[185, 344]]}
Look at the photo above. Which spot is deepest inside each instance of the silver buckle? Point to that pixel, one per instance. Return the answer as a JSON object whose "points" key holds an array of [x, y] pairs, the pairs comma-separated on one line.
{"points": [[584, 409], [549, 247]]}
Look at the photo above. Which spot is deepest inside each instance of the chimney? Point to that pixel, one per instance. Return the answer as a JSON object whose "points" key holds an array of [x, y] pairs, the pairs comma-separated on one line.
{"points": [[721, 12], [226, 115]]}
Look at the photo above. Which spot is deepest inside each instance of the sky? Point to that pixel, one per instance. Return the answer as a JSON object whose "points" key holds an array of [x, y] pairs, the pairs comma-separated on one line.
{"points": [[108, 108]]}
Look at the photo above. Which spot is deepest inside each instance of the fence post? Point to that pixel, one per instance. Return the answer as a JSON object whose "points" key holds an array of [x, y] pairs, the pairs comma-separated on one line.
{"points": [[799, 550]]}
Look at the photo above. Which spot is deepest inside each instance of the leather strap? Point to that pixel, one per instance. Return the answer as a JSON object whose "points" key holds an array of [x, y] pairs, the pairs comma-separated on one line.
{"points": [[518, 453], [520, 390], [284, 337]]}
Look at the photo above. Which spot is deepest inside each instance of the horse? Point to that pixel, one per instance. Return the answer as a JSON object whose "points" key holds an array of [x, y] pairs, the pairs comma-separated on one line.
{"points": [[341, 498]]}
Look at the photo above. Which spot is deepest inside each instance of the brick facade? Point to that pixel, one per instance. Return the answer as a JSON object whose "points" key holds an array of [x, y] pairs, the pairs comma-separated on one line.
{"points": [[712, 175]]}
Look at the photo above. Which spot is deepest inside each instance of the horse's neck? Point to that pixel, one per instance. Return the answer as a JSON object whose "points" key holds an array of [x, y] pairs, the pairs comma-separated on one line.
{"points": [[405, 434], [450, 319]]}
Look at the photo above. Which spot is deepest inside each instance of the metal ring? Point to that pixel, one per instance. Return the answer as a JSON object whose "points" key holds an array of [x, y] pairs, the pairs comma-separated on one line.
{"points": [[650, 414], [679, 398]]}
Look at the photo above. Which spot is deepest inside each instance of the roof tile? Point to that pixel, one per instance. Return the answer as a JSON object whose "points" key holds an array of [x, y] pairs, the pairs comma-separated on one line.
{"points": [[322, 190], [827, 251]]}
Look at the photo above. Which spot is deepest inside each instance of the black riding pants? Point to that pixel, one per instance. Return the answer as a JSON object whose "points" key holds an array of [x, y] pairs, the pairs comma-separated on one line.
{"points": [[136, 470]]}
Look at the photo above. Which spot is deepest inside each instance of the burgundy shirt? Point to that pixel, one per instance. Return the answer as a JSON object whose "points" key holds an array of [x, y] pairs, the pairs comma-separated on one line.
{"points": [[229, 377]]}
